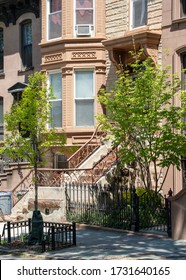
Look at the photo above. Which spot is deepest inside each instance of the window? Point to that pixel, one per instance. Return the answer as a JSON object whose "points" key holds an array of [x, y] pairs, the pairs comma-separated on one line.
{"points": [[1, 119], [183, 8], [183, 63], [84, 17], [55, 81], [84, 98], [54, 19], [1, 51], [26, 44], [61, 161], [138, 13]]}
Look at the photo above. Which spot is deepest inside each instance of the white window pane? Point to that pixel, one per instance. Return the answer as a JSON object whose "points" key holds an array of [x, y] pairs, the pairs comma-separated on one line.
{"points": [[56, 113], [84, 112], [55, 5], [56, 83], [54, 28], [84, 84], [139, 13], [84, 4], [84, 16]]}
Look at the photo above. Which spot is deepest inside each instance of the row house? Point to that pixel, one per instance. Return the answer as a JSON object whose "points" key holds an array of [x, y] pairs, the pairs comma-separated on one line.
{"points": [[19, 50], [80, 44], [62, 38], [174, 54], [73, 56]]}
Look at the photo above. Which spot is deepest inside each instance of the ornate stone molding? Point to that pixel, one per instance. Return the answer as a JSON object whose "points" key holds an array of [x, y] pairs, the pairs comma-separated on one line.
{"points": [[67, 71], [10, 11], [83, 55], [100, 69], [50, 58], [119, 48]]}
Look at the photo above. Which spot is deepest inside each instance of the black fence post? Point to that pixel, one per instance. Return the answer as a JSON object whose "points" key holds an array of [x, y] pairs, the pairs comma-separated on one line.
{"points": [[53, 238], [9, 232], [135, 210], [29, 225], [43, 243], [74, 233]]}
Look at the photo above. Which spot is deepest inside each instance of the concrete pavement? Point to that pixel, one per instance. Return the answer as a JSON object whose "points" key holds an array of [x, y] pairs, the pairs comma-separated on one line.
{"points": [[99, 244]]}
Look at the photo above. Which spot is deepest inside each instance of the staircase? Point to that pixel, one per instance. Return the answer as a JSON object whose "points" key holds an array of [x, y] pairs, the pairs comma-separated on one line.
{"points": [[87, 166]]}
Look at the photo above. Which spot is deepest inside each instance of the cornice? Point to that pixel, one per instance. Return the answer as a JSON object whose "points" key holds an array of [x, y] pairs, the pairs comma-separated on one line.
{"points": [[10, 10]]}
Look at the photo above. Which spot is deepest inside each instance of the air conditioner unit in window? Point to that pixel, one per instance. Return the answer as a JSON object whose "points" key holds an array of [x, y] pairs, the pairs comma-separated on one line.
{"points": [[83, 30]]}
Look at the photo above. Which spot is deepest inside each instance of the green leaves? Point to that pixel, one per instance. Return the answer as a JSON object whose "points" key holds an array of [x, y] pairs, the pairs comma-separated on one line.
{"points": [[145, 120], [27, 123]]}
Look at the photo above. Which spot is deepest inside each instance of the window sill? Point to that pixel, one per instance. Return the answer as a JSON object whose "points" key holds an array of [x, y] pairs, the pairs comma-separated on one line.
{"points": [[2, 75], [22, 72], [179, 20]]}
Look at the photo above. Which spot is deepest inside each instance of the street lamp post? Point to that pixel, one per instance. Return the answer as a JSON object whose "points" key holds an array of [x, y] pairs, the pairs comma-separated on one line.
{"points": [[36, 235]]}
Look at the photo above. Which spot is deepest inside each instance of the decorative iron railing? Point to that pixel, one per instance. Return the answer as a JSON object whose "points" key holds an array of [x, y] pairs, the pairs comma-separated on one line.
{"points": [[118, 207], [58, 177], [22, 188], [86, 150]]}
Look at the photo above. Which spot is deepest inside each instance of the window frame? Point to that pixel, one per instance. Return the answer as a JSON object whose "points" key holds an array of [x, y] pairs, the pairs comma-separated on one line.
{"points": [[132, 14], [91, 26], [23, 50], [183, 75], [56, 99], [92, 98], [2, 124], [2, 51], [182, 9], [48, 14]]}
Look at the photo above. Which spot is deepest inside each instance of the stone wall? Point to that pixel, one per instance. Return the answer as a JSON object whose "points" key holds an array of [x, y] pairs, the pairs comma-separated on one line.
{"points": [[178, 215]]}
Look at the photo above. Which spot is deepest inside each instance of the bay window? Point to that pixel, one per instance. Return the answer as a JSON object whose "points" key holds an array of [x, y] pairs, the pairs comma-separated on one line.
{"points": [[55, 81], [54, 19], [84, 98], [84, 17]]}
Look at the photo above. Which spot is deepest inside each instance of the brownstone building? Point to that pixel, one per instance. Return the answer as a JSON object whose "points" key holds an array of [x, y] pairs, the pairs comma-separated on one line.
{"points": [[174, 54], [19, 49]]}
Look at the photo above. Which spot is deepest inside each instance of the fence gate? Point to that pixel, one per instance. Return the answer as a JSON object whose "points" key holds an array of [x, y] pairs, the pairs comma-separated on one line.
{"points": [[154, 213], [117, 207]]}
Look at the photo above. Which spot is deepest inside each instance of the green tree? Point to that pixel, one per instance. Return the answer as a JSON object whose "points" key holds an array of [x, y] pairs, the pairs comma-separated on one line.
{"points": [[28, 136], [143, 120]]}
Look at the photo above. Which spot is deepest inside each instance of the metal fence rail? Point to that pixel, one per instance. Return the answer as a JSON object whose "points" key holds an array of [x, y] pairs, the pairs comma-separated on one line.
{"points": [[55, 235], [118, 207]]}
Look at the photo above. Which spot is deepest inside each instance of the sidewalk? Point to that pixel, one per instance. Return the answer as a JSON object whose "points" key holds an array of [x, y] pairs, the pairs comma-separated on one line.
{"points": [[99, 244]]}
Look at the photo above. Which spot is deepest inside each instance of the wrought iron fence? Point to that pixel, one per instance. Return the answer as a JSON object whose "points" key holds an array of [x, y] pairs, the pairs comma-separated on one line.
{"points": [[118, 207], [55, 235]]}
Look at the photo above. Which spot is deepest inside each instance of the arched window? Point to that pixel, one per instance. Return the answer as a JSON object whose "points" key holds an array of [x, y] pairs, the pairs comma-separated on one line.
{"points": [[26, 44], [1, 119], [1, 50]]}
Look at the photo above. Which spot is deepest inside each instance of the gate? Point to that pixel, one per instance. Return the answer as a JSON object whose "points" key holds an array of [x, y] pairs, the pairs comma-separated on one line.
{"points": [[154, 212], [117, 207]]}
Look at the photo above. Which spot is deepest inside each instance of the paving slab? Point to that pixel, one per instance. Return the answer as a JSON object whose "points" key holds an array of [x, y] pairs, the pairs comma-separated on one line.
{"points": [[97, 244]]}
